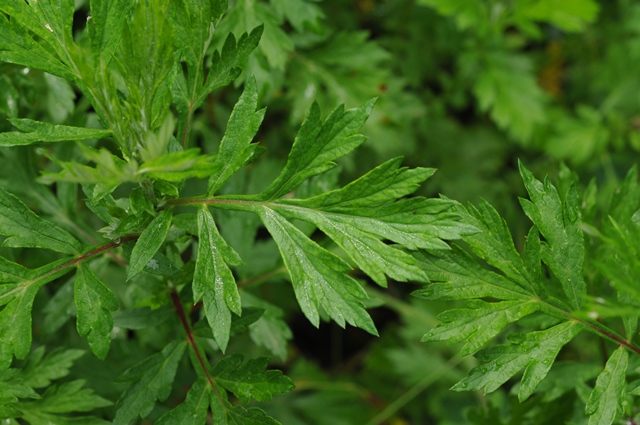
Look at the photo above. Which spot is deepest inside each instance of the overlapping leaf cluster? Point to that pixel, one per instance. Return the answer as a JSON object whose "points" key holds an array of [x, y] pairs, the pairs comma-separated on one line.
{"points": [[547, 279], [139, 60]]}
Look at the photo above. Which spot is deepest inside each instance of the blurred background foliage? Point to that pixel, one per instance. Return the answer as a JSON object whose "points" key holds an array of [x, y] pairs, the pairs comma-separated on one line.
{"points": [[466, 86]]}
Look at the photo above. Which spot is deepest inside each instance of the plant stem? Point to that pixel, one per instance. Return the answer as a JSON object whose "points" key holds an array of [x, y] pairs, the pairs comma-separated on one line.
{"points": [[177, 306]]}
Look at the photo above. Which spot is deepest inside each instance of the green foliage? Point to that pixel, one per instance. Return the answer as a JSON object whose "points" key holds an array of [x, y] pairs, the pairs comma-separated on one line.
{"points": [[181, 195]]}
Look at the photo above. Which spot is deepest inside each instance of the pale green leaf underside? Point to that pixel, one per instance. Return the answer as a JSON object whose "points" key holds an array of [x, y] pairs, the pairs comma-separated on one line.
{"points": [[34, 131]]}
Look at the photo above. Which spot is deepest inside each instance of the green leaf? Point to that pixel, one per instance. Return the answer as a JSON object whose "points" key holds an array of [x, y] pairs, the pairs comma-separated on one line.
{"points": [[275, 43], [238, 415], [568, 15], [153, 380], [213, 279], [141, 318], [318, 276], [236, 147], [534, 352], [149, 242], [317, 145], [25, 229], [105, 27], [467, 13], [40, 370], [15, 325], [34, 131], [360, 216], [178, 166], [17, 294], [494, 244], [225, 65], [507, 89], [301, 14], [270, 331], [94, 302], [65, 398], [477, 325], [193, 411], [249, 380], [19, 47], [558, 221], [606, 399], [463, 278]]}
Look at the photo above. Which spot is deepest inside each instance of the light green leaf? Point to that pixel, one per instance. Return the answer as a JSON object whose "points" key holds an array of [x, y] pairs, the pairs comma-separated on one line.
{"points": [[317, 145], [105, 27], [94, 302], [605, 401], [178, 166], [301, 14], [213, 278], [534, 352], [25, 229], [318, 276], [193, 411], [467, 13], [558, 221], [568, 15], [476, 325], [153, 379], [35, 131], [250, 380], [507, 89], [236, 148], [149, 242]]}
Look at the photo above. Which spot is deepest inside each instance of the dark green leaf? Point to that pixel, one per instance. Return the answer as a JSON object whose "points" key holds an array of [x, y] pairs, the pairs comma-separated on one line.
{"points": [[40, 370], [153, 380], [149, 242], [318, 276], [193, 411], [25, 229], [236, 147], [534, 352], [213, 278], [606, 399], [250, 380], [317, 145], [94, 302], [558, 221]]}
